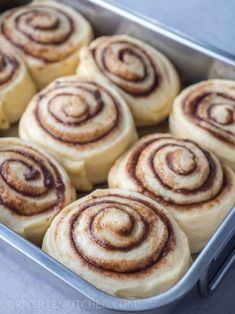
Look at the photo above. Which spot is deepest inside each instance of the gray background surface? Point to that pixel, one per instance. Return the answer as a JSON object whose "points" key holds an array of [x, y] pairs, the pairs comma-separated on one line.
{"points": [[22, 292], [212, 21]]}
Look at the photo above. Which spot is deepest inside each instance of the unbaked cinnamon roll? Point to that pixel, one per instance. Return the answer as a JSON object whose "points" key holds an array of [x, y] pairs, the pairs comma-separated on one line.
{"points": [[121, 242], [48, 35], [205, 112], [33, 188], [143, 76], [16, 86], [86, 124], [182, 176]]}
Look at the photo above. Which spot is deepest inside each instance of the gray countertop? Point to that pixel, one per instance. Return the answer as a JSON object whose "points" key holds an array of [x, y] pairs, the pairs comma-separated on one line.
{"points": [[21, 291], [211, 21]]}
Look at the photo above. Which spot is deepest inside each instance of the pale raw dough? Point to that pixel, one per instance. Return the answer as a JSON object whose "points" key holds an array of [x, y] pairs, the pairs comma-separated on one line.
{"points": [[86, 125], [34, 188], [121, 242], [205, 112], [16, 86], [142, 75], [48, 35], [185, 178]]}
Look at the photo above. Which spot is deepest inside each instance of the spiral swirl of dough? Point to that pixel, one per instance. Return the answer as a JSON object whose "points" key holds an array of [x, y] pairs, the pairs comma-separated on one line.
{"points": [[79, 119], [46, 33], [78, 113], [9, 67], [32, 28], [206, 113], [128, 66], [15, 83], [182, 176], [33, 186], [118, 236], [144, 77]]}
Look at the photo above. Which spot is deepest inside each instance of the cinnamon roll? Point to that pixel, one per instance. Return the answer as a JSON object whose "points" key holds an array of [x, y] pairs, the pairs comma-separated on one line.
{"points": [[33, 188], [48, 35], [121, 242], [143, 76], [185, 178], [16, 86], [205, 112], [86, 124]]}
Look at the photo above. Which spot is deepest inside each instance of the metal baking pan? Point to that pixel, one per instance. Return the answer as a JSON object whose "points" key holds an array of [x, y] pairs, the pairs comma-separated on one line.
{"points": [[195, 61]]}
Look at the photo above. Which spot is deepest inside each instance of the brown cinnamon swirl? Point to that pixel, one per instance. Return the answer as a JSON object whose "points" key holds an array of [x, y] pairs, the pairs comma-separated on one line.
{"points": [[48, 36], [184, 177], [121, 242], [143, 76], [33, 188], [85, 124], [16, 86], [205, 112]]}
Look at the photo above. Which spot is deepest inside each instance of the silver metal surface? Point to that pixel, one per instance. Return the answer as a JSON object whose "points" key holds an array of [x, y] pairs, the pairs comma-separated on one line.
{"points": [[198, 268], [195, 61], [222, 272], [218, 269], [209, 20]]}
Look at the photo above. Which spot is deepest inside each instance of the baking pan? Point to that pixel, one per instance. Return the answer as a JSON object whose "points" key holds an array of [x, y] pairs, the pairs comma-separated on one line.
{"points": [[195, 61]]}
